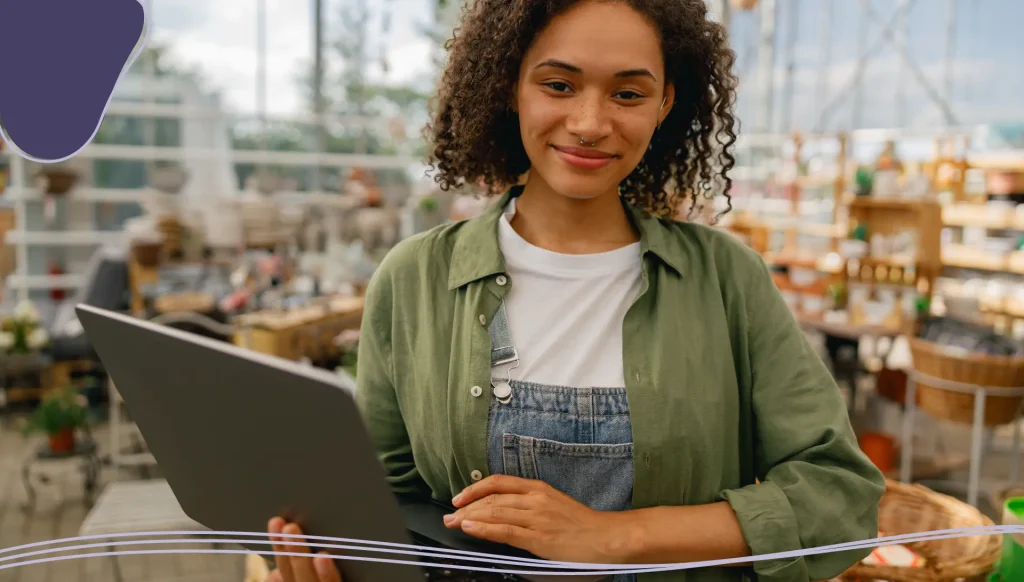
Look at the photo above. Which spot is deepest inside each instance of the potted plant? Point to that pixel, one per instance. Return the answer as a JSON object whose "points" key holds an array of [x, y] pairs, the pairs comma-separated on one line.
{"points": [[56, 180], [60, 414]]}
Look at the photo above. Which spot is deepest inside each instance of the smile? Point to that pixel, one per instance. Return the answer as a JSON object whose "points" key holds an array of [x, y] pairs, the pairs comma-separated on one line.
{"points": [[589, 159]]}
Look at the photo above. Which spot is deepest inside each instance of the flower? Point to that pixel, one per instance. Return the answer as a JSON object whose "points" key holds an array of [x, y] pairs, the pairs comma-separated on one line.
{"points": [[37, 338], [6, 340], [26, 312]]}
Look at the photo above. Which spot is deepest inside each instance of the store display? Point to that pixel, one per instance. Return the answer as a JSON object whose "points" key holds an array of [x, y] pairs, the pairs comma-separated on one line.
{"points": [[969, 355], [909, 509], [886, 180]]}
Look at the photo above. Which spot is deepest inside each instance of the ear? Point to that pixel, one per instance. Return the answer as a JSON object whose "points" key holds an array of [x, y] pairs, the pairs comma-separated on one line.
{"points": [[666, 106]]}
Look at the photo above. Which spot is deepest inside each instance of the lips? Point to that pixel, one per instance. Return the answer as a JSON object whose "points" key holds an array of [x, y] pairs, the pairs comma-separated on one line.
{"points": [[585, 158]]}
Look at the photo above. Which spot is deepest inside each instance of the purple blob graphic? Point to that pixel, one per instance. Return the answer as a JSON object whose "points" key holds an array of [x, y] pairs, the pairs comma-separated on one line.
{"points": [[53, 97]]}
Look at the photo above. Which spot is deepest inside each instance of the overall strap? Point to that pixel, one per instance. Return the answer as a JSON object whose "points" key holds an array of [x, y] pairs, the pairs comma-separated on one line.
{"points": [[502, 349]]}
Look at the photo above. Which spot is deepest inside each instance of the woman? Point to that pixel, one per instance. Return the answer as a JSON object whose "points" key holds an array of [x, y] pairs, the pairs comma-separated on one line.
{"points": [[591, 380]]}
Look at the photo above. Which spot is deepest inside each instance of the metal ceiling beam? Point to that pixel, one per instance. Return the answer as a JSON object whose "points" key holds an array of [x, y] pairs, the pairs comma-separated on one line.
{"points": [[901, 77], [865, 56], [824, 53], [950, 46], [915, 70], [766, 66], [791, 39]]}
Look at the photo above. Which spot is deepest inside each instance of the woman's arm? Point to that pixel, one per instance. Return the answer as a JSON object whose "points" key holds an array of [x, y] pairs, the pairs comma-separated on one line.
{"points": [[375, 389], [816, 487], [670, 535]]}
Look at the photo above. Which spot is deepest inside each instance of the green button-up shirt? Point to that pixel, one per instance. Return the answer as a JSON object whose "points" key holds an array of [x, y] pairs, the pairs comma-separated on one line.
{"points": [[727, 399]]}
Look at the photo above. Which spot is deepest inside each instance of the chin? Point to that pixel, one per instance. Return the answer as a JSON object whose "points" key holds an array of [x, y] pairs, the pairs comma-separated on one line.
{"points": [[582, 187]]}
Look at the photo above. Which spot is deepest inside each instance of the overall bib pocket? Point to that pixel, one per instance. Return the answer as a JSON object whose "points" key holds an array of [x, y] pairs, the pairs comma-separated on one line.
{"points": [[597, 475]]}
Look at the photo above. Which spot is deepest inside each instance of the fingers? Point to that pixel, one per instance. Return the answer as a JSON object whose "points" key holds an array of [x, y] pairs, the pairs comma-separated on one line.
{"points": [[326, 569], [298, 568], [500, 533], [283, 563], [495, 484], [510, 509], [301, 566]]}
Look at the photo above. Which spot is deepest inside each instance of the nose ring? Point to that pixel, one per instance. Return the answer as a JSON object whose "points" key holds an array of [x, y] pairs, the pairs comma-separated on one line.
{"points": [[584, 142]]}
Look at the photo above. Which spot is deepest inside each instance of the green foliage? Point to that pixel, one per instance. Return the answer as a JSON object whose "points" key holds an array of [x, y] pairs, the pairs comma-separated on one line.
{"points": [[429, 204], [859, 232], [864, 179], [59, 410]]}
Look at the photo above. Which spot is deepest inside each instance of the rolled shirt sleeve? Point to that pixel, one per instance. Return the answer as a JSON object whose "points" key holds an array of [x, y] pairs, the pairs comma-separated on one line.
{"points": [[816, 487]]}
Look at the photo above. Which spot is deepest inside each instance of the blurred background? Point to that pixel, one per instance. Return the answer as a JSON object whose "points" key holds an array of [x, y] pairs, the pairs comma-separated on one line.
{"points": [[260, 157]]}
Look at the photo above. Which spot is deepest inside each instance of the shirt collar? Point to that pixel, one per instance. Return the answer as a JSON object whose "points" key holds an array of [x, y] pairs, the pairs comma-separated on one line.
{"points": [[476, 253]]}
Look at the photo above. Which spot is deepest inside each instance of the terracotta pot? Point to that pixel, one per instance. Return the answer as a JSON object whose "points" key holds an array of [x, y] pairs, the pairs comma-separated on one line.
{"points": [[147, 254], [56, 181], [880, 448], [63, 441]]}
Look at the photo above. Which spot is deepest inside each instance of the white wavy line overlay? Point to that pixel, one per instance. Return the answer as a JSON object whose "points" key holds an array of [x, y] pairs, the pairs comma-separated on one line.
{"points": [[591, 569]]}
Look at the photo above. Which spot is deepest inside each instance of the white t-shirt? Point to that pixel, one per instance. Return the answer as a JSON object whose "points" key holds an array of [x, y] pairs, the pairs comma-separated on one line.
{"points": [[565, 312]]}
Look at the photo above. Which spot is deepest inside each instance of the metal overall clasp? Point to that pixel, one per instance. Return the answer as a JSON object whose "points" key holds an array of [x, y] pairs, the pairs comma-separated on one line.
{"points": [[502, 389]]}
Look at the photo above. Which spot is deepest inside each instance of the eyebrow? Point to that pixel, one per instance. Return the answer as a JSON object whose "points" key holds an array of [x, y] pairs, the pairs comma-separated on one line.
{"points": [[574, 69]]}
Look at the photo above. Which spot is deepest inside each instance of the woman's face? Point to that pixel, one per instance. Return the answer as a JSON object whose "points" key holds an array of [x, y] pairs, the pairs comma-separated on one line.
{"points": [[594, 75]]}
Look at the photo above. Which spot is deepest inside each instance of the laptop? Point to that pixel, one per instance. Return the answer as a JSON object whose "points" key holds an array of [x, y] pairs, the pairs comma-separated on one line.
{"points": [[242, 436]]}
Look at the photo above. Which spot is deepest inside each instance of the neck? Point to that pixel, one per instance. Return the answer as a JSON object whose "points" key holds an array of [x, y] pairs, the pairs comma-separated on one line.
{"points": [[562, 224]]}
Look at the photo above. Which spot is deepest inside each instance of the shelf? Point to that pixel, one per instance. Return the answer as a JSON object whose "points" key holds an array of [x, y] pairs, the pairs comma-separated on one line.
{"points": [[45, 281], [889, 203], [64, 238], [966, 257], [114, 195], [1005, 160], [134, 460], [982, 216]]}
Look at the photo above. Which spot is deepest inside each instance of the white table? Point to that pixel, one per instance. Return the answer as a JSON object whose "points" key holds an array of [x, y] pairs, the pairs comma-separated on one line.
{"points": [[136, 507]]}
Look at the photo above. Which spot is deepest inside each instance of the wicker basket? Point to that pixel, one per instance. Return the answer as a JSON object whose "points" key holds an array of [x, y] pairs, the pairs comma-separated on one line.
{"points": [[908, 509], [979, 369]]}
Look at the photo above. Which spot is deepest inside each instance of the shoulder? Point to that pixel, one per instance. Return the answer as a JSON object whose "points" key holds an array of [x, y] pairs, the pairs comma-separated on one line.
{"points": [[707, 249], [427, 251], [417, 265]]}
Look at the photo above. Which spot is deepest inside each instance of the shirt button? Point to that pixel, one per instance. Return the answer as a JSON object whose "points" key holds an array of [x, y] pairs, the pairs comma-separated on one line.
{"points": [[476, 391], [476, 475], [483, 320], [501, 280]]}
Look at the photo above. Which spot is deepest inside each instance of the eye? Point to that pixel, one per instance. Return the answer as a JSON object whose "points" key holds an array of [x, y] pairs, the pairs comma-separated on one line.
{"points": [[628, 95], [558, 86]]}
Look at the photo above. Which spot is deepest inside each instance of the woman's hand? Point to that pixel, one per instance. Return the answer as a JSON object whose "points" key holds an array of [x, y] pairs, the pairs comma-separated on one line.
{"points": [[533, 516], [298, 568]]}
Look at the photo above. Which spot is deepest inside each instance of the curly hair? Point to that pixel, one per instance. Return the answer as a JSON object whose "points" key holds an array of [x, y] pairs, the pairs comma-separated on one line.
{"points": [[475, 135]]}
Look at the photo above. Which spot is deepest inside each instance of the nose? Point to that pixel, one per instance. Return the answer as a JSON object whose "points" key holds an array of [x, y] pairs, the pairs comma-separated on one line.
{"points": [[589, 117]]}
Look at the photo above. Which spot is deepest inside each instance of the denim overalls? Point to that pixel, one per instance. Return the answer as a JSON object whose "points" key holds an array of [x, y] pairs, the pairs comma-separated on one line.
{"points": [[578, 440]]}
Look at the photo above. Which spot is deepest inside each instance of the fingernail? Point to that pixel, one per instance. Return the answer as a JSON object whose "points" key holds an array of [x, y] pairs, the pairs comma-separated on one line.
{"points": [[449, 518], [456, 499], [468, 524]]}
